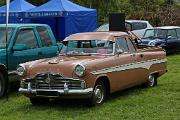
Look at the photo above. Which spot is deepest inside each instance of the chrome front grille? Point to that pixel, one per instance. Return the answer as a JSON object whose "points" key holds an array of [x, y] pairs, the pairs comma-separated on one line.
{"points": [[52, 81]]}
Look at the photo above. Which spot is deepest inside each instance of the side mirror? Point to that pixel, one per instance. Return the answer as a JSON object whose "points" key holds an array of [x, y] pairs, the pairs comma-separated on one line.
{"points": [[19, 47], [60, 45], [119, 51], [169, 37]]}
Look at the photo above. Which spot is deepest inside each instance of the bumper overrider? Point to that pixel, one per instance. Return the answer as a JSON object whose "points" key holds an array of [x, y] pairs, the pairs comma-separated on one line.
{"points": [[54, 86]]}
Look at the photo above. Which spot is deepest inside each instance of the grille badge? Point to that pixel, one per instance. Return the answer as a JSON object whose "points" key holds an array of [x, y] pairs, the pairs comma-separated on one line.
{"points": [[48, 79], [29, 87], [65, 85], [66, 89]]}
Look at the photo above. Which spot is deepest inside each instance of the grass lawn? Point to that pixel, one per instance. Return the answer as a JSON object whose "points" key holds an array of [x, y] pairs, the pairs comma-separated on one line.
{"points": [[158, 103]]}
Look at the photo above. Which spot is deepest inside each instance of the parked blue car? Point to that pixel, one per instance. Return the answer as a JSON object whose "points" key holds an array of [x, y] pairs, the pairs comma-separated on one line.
{"points": [[167, 37], [26, 42]]}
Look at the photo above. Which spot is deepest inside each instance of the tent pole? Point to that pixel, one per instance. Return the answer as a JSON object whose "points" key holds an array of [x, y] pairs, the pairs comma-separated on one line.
{"points": [[7, 20], [56, 28]]}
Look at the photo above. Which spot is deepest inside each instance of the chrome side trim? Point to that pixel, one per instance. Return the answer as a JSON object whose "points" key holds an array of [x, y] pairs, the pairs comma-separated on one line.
{"points": [[12, 72], [144, 64]]}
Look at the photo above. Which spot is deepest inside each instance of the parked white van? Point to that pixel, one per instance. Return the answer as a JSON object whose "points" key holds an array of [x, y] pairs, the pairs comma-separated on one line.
{"points": [[138, 27]]}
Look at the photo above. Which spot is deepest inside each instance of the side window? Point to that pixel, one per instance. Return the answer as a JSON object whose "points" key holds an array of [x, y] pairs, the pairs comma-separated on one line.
{"points": [[178, 32], [131, 46], [27, 37], [172, 33], [44, 36], [121, 43], [139, 25], [72, 44]]}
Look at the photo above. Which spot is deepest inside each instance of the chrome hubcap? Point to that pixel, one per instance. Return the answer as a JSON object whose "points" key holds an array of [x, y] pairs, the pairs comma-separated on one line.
{"points": [[151, 80], [98, 92]]}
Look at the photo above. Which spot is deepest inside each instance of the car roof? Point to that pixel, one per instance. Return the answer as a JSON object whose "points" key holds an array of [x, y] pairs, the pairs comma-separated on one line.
{"points": [[96, 36], [136, 21], [129, 21], [167, 27], [22, 25]]}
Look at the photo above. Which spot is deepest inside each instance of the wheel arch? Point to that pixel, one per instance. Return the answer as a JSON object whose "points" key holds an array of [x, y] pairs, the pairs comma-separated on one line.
{"points": [[4, 71], [156, 73], [106, 82]]}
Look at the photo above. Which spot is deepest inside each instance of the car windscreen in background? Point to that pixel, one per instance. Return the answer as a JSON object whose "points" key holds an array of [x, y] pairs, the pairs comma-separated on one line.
{"points": [[138, 25]]}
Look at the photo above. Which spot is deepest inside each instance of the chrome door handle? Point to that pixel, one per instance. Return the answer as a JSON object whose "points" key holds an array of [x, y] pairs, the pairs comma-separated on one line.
{"points": [[133, 55], [141, 55]]}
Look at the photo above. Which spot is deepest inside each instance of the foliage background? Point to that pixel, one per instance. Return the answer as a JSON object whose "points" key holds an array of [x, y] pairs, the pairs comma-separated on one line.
{"points": [[158, 12]]}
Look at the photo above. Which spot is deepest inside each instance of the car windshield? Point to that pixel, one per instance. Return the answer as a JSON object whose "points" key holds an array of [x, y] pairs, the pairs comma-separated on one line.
{"points": [[138, 25], [3, 36], [88, 47], [104, 27], [155, 33]]}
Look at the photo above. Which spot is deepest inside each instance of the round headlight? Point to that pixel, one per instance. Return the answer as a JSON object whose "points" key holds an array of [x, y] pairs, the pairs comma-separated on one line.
{"points": [[79, 70], [21, 70]]}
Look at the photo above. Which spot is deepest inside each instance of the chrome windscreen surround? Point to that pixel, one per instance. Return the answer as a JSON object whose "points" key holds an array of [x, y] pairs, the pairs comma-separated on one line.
{"points": [[52, 81]]}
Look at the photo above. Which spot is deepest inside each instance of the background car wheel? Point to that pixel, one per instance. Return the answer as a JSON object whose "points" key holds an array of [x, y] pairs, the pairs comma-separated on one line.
{"points": [[3, 86], [39, 101], [152, 81], [99, 94], [165, 49]]}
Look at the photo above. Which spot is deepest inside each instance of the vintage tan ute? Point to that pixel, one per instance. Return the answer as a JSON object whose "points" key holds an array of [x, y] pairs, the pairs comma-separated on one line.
{"points": [[92, 65]]}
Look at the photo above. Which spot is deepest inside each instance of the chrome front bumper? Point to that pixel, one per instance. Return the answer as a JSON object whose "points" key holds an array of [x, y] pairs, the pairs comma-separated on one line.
{"points": [[58, 93], [54, 86]]}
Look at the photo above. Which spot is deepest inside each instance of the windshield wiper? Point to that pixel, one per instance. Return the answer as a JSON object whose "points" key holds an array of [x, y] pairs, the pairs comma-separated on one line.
{"points": [[77, 53]]}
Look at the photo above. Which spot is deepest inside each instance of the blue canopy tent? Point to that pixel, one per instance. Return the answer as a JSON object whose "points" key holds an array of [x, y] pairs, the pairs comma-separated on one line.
{"points": [[64, 17], [16, 8]]}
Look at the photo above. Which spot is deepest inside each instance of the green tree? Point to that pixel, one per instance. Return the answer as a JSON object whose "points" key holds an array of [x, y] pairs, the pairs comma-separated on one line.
{"points": [[153, 10]]}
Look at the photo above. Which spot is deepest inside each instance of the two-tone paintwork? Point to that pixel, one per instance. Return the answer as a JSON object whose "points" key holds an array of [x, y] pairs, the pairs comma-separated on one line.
{"points": [[122, 70]]}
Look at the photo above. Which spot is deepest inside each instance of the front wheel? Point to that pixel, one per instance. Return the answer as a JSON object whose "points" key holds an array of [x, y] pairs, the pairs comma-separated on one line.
{"points": [[3, 86], [99, 94]]}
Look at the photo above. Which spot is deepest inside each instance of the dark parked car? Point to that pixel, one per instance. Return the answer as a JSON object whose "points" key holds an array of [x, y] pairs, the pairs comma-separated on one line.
{"points": [[167, 37]]}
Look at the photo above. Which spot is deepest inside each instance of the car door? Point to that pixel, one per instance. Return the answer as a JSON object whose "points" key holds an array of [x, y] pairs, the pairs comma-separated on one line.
{"points": [[48, 48], [125, 74], [140, 70], [172, 40], [178, 37], [25, 47]]}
